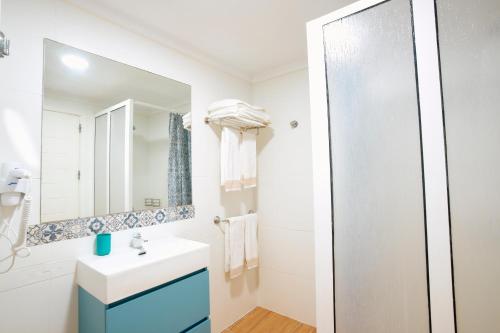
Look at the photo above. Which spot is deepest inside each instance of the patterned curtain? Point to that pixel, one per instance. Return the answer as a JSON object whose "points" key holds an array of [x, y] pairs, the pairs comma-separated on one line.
{"points": [[179, 163]]}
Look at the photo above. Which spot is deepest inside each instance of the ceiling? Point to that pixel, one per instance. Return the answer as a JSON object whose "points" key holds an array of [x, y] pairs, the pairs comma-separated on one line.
{"points": [[107, 82], [249, 38]]}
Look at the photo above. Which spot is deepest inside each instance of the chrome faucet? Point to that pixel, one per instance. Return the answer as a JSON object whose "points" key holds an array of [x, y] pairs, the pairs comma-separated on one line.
{"points": [[138, 243]]}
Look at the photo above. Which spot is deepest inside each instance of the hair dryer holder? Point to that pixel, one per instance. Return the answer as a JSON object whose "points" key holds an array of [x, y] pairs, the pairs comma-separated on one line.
{"points": [[14, 182]]}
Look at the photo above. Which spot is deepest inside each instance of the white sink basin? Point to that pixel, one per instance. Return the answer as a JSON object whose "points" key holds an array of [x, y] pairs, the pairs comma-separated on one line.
{"points": [[124, 273]]}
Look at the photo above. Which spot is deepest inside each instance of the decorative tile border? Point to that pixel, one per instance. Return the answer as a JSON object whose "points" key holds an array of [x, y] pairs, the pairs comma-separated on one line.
{"points": [[45, 233]]}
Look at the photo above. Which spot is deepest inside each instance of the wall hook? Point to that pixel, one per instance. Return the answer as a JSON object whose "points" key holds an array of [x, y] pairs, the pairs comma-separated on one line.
{"points": [[294, 124]]}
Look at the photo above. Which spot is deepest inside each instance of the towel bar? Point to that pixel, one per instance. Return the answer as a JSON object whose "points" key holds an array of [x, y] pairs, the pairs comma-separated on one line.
{"points": [[218, 220], [219, 122]]}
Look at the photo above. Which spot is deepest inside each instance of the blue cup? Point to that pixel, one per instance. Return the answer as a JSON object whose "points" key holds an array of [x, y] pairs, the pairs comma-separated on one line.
{"points": [[103, 244]]}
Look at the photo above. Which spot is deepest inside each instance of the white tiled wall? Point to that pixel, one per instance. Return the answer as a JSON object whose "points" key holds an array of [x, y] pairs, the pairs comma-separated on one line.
{"points": [[42, 285], [285, 199], [39, 295]]}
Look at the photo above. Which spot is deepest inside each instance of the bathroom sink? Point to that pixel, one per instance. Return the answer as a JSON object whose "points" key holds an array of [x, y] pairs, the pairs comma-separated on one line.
{"points": [[124, 273]]}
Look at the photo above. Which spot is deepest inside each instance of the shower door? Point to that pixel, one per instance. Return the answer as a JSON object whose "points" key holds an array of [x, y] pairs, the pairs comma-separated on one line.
{"points": [[101, 165], [113, 159], [383, 262], [379, 239], [469, 39]]}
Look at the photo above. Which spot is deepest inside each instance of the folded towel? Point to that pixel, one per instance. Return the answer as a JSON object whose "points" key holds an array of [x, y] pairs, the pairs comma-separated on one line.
{"points": [[238, 114], [224, 103], [248, 161], [237, 123], [234, 246], [230, 169], [251, 243], [186, 121]]}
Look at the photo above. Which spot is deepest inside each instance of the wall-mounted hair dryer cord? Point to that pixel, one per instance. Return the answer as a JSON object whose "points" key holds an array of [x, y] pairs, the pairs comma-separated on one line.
{"points": [[19, 248], [15, 191], [20, 245]]}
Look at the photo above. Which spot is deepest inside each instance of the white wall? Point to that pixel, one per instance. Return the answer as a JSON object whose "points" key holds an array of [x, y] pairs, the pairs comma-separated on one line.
{"points": [[141, 173], [39, 295], [151, 153], [285, 199], [159, 148]]}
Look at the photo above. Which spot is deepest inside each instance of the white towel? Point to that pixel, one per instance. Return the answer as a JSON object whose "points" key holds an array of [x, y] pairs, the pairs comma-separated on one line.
{"points": [[237, 123], [248, 161], [240, 113], [237, 114], [227, 248], [234, 246], [224, 103], [251, 242], [230, 169], [186, 121]]}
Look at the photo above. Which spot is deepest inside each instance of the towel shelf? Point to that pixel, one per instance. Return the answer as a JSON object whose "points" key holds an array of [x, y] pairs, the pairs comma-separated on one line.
{"points": [[221, 123], [218, 220]]}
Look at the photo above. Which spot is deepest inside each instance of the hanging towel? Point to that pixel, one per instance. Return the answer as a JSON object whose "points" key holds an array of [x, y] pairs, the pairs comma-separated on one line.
{"points": [[227, 248], [186, 121], [248, 153], [235, 246], [251, 243], [230, 170]]}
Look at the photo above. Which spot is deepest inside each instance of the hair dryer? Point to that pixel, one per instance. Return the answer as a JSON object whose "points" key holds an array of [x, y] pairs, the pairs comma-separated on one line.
{"points": [[15, 188]]}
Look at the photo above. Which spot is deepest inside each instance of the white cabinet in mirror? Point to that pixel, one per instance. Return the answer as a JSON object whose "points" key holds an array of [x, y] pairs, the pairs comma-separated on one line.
{"points": [[113, 139]]}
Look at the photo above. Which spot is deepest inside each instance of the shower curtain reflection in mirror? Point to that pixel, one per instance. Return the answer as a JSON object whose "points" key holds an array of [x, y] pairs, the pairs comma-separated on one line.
{"points": [[179, 163]]}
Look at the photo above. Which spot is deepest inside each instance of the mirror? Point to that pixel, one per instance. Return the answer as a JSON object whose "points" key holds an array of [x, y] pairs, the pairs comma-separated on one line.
{"points": [[113, 137]]}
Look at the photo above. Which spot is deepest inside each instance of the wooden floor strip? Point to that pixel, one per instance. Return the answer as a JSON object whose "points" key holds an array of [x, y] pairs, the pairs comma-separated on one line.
{"points": [[248, 323], [305, 329], [261, 320]]}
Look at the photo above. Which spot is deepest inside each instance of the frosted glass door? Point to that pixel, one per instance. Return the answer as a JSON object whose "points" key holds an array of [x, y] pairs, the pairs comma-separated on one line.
{"points": [[469, 38], [101, 181], [380, 268], [119, 160]]}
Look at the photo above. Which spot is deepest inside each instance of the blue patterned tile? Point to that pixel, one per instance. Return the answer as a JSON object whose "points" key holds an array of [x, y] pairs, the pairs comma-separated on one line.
{"points": [[187, 212], [160, 216], [74, 229], [34, 235], [115, 223], [131, 220], [183, 212], [51, 232], [96, 225], [83, 227], [147, 218], [171, 214]]}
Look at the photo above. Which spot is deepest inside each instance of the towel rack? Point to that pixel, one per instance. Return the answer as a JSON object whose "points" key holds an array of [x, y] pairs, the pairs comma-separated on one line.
{"points": [[218, 220], [220, 122]]}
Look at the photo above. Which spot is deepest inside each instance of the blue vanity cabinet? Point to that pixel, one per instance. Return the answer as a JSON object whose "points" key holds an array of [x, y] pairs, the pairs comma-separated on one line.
{"points": [[178, 306], [203, 327]]}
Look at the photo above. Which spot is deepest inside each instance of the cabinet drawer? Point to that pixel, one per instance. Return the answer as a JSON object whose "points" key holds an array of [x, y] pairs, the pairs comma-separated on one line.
{"points": [[203, 327], [170, 309]]}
